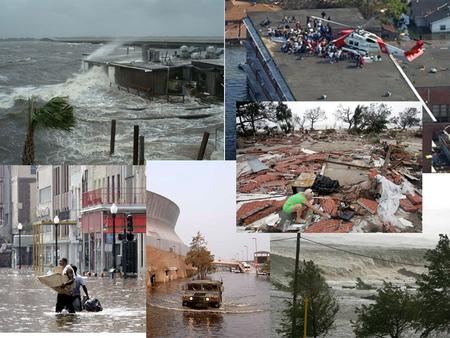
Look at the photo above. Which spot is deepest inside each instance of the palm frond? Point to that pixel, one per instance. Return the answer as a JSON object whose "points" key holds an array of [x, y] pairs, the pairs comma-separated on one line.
{"points": [[56, 114]]}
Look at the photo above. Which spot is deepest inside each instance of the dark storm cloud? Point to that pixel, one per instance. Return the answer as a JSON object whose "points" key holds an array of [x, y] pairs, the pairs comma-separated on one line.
{"points": [[50, 18]]}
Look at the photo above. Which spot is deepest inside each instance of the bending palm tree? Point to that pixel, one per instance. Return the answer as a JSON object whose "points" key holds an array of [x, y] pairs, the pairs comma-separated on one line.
{"points": [[55, 114]]}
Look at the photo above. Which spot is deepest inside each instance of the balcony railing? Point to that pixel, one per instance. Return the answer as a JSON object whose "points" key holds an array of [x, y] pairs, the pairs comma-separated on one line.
{"points": [[108, 196]]}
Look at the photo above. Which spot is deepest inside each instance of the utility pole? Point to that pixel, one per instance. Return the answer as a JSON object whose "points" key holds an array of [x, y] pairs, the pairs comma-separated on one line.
{"points": [[305, 321], [294, 296]]}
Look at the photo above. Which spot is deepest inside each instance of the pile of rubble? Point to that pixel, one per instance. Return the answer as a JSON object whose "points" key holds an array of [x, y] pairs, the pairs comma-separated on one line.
{"points": [[275, 168]]}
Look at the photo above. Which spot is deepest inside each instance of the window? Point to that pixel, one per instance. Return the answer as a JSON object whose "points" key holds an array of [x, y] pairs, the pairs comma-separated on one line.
{"points": [[350, 42], [107, 189], [118, 188], [370, 41], [45, 195], [442, 27], [56, 181], [112, 189]]}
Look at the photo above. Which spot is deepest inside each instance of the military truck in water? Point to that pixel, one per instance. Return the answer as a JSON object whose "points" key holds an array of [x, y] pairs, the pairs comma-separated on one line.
{"points": [[202, 294]]}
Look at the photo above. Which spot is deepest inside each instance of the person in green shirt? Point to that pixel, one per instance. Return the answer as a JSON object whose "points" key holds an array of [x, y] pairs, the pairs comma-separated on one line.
{"points": [[298, 202]]}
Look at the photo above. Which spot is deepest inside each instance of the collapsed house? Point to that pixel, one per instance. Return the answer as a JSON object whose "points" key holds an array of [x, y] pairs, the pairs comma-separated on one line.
{"points": [[336, 166]]}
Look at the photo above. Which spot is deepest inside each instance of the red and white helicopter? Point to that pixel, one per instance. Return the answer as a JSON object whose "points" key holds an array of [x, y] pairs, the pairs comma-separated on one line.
{"points": [[362, 42]]}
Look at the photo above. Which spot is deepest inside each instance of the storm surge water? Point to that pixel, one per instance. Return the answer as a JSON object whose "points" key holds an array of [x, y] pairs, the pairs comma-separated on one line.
{"points": [[53, 70], [371, 260]]}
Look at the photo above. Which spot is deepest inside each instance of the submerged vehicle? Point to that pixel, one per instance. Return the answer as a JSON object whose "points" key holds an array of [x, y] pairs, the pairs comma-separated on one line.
{"points": [[202, 294]]}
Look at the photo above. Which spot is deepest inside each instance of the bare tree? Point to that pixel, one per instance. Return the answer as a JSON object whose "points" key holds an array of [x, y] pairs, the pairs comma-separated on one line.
{"points": [[314, 115], [345, 114], [299, 121], [407, 118]]}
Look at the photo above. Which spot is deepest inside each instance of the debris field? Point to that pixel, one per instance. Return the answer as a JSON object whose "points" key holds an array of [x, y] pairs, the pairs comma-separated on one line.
{"points": [[337, 166]]}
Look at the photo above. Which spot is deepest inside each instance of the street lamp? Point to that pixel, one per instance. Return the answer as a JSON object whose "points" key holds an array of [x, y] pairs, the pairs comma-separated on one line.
{"points": [[56, 222], [20, 227], [113, 214], [246, 247]]}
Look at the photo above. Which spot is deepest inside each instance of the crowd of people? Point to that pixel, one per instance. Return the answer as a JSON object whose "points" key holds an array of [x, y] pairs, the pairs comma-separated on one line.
{"points": [[314, 37]]}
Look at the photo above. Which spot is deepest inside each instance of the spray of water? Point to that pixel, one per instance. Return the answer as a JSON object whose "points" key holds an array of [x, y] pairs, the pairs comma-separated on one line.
{"points": [[105, 50]]}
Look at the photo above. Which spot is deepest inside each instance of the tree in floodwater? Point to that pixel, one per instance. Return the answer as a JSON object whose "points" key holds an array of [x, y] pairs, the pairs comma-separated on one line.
{"points": [[199, 256], [55, 114], [434, 290], [393, 313], [322, 305]]}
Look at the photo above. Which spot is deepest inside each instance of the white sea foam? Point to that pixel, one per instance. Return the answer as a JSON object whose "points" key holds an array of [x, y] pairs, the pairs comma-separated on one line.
{"points": [[104, 50], [80, 89]]}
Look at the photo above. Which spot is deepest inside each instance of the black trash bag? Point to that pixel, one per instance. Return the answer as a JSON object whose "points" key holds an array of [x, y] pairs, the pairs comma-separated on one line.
{"points": [[324, 185], [92, 305]]}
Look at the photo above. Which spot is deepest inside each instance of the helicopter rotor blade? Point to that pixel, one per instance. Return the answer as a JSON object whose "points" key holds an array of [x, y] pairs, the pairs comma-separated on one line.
{"points": [[331, 21]]}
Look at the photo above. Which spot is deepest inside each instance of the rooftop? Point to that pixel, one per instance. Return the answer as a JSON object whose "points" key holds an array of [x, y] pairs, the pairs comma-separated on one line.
{"points": [[436, 55], [134, 60], [237, 10], [344, 82]]}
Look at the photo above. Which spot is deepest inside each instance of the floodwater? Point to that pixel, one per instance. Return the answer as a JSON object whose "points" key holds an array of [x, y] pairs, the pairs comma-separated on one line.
{"points": [[28, 306], [46, 69], [236, 90], [341, 270], [245, 311]]}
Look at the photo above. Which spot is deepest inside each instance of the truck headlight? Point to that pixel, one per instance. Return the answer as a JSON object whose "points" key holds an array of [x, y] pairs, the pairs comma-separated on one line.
{"points": [[190, 298]]}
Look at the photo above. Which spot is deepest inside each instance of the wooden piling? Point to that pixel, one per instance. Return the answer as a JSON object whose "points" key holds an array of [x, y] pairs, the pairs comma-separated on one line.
{"points": [[201, 152], [141, 150], [113, 137], [135, 145]]}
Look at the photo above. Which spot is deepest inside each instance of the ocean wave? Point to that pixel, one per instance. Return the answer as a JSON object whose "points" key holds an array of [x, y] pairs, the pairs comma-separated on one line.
{"points": [[82, 88]]}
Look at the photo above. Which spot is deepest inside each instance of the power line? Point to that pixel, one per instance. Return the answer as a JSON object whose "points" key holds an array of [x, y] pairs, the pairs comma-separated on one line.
{"points": [[348, 251]]}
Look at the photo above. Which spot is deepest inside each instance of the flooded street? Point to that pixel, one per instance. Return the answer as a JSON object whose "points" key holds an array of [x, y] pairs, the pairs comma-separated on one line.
{"points": [[245, 310], [28, 306]]}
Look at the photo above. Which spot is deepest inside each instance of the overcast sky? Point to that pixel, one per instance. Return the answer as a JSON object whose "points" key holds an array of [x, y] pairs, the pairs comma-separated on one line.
{"points": [[112, 18], [205, 192], [330, 108]]}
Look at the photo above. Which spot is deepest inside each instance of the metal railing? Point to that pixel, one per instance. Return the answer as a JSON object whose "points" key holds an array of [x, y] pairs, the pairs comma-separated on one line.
{"points": [[109, 196]]}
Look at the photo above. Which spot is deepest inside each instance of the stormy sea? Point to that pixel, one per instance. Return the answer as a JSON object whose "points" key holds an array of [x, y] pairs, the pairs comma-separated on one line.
{"points": [[44, 69], [402, 264]]}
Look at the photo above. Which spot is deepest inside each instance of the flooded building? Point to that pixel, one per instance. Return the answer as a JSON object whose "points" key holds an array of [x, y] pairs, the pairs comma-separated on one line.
{"points": [[5, 216], [101, 187], [166, 251], [57, 194], [23, 205], [5, 204], [154, 71]]}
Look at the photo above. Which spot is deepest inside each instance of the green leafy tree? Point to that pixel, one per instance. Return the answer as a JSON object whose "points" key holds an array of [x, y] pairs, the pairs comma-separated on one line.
{"points": [[407, 118], [322, 304], [199, 256], [375, 119], [55, 114], [248, 115], [434, 290], [391, 315], [284, 117]]}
